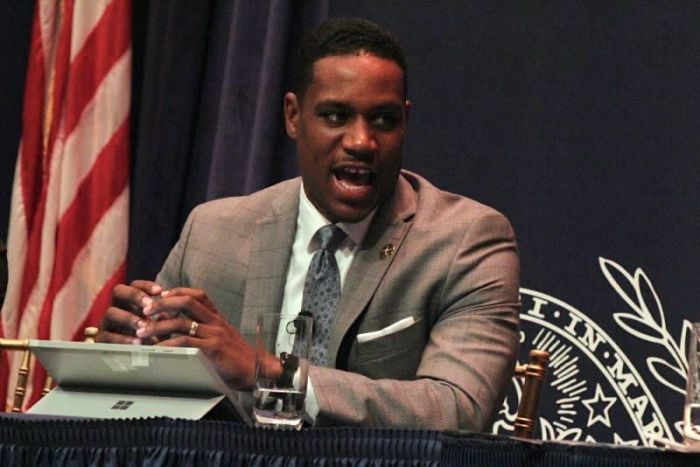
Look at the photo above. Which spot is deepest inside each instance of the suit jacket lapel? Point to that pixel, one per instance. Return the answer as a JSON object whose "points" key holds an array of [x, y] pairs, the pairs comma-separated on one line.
{"points": [[389, 227], [271, 249]]}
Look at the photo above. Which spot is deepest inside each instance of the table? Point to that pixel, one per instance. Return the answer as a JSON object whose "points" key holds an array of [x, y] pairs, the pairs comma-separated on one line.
{"points": [[27, 440]]}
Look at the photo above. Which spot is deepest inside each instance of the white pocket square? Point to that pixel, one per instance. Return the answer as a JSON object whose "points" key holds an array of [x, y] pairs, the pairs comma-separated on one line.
{"points": [[396, 327]]}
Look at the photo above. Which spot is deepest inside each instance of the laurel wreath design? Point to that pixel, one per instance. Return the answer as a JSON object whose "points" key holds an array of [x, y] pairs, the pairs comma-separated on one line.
{"points": [[648, 322], [550, 433], [645, 320]]}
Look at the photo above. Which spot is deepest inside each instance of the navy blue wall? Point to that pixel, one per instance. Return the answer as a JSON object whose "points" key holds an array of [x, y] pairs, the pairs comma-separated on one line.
{"points": [[15, 27], [579, 121]]}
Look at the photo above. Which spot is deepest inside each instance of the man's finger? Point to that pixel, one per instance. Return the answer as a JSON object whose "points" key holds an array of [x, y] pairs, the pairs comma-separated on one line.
{"points": [[119, 320], [115, 338], [150, 287], [130, 298], [181, 341], [164, 329], [180, 305], [198, 294]]}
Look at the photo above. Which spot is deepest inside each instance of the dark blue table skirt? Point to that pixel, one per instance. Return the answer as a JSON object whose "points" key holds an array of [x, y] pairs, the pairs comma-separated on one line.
{"points": [[165, 442]]}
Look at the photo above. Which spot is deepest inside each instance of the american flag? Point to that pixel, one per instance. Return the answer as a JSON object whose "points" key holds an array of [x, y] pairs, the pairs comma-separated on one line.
{"points": [[69, 213]]}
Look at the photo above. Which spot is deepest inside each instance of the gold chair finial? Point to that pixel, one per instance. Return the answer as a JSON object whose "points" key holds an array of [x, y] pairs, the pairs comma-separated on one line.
{"points": [[533, 374]]}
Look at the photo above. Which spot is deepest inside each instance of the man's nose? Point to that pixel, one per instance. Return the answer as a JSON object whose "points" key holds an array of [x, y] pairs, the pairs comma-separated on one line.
{"points": [[359, 139]]}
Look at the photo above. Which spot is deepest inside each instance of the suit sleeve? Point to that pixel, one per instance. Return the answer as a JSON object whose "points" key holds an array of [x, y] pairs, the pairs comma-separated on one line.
{"points": [[468, 361], [170, 274]]}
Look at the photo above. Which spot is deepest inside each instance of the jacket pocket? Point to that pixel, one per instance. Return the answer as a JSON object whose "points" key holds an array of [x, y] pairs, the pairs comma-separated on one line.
{"points": [[396, 355]]}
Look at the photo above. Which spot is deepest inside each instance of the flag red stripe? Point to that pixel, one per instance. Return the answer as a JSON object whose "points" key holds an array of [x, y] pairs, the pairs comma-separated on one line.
{"points": [[88, 188], [31, 267], [31, 262], [96, 193], [61, 71], [32, 115], [31, 171], [89, 67]]}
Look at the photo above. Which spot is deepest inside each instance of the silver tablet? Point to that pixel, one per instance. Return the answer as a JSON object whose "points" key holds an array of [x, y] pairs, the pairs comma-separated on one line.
{"points": [[117, 380]]}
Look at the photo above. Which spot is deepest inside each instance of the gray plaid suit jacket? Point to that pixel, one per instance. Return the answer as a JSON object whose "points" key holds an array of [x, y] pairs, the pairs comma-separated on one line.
{"points": [[455, 272]]}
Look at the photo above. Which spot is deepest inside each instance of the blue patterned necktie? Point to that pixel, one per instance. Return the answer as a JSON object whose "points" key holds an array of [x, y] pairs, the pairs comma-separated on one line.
{"points": [[322, 290]]}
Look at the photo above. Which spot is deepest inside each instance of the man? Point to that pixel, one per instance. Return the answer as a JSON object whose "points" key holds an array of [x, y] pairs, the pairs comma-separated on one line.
{"points": [[425, 332]]}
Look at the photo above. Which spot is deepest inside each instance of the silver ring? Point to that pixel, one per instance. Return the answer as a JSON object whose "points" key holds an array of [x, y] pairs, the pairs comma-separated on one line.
{"points": [[193, 328]]}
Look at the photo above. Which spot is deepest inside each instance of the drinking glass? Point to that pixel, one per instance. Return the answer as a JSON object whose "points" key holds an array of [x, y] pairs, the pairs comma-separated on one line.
{"points": [[281, 341]]}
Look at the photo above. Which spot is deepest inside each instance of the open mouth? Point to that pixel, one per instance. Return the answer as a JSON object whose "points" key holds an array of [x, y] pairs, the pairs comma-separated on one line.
{"points": [[351, 178]]}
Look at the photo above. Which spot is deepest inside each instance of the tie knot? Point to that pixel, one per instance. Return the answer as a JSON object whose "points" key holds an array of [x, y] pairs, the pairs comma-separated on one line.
{"points": [[330, 236]]}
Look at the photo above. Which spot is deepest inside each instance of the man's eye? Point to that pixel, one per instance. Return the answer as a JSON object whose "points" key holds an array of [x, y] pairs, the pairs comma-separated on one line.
{"points": [[334, 118], [386, 121]]}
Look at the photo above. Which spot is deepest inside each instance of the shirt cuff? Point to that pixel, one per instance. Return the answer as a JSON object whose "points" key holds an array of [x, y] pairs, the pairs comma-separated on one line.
{"points": [[311, 408]]}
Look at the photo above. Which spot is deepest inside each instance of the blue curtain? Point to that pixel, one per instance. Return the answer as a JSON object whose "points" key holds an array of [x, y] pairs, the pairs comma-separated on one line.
{"points": [[15, 29], [207, 109]]}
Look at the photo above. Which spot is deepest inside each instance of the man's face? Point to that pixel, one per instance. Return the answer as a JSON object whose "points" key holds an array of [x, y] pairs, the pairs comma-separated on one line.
{"points": [[349, 128]]}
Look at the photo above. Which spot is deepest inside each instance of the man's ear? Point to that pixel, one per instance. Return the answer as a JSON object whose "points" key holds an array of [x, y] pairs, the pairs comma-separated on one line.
{"points": [[407, 110], [291, 114]]}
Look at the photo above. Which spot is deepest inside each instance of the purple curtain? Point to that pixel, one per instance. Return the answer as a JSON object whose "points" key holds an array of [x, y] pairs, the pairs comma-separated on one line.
{"points": [[209, 81]]}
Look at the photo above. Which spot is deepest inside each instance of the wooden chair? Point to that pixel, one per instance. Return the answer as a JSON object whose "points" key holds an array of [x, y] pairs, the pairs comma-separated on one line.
{"points": [[22, 345], [533, 374]]}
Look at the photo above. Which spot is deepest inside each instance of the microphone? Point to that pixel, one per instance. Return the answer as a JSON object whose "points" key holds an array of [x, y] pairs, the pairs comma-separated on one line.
{"points": [[306, 313], [298, 327], [310, 315]]}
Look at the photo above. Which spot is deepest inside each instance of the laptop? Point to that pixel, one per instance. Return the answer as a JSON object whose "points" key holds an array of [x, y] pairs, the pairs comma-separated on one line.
{"points": [[124, 381]]}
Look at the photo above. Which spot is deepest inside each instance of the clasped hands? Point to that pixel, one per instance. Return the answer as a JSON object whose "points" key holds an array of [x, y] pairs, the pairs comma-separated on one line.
{"points": [[144, 313]]}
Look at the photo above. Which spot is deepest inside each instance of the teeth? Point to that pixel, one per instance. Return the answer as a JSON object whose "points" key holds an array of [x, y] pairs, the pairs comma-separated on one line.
{"points": [[353, 177], [354, 171]]}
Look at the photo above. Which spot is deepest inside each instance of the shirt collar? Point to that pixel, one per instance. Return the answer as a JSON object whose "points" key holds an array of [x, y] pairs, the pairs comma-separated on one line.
{"points": [[310, 220]]}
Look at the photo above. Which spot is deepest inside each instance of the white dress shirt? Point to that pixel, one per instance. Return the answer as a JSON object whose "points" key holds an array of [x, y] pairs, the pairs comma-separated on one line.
{"points": [[309, 221]]}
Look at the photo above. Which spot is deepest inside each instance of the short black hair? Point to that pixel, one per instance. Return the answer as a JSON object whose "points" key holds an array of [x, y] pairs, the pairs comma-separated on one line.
{"points": [[344, 36]]}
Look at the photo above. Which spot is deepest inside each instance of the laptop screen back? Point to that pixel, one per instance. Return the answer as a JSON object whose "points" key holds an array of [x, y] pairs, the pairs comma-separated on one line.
{"points": [[135, 367]]}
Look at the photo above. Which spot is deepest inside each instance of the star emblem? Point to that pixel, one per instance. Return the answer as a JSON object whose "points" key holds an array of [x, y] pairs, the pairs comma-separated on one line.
{"points": [[598, 407]]}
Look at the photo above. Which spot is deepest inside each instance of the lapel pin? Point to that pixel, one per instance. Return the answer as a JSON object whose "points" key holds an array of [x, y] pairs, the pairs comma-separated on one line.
{"points": [[386, 251]]}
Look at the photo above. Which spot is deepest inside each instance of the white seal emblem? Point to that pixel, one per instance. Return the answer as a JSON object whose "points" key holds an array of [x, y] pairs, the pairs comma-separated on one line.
{"points": [[593, 391]]}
